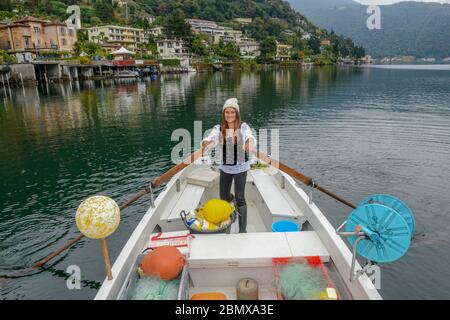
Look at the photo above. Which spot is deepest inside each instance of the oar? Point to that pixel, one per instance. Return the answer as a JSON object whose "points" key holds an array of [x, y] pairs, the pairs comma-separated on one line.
{"points": [[297, 175], [155, 183]]}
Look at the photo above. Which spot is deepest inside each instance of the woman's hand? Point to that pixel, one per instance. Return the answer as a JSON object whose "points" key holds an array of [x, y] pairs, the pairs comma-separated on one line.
{"points": [[249, 146]]}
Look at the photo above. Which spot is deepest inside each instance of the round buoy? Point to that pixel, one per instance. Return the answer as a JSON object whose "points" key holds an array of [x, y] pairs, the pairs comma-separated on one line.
{"points": [[217, 211], [247, 289], [165, 262]]}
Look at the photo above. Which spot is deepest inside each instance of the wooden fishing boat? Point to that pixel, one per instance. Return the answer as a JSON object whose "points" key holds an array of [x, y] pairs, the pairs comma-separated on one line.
{"points": [[217, 261]]}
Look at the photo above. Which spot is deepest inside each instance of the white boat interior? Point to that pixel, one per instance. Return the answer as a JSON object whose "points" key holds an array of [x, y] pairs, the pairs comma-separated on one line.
{"points": [[216, 262]]}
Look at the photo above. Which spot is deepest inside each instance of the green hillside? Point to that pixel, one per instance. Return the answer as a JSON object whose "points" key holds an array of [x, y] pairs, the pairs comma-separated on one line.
{"points": [[271, 20], [407, 28]]}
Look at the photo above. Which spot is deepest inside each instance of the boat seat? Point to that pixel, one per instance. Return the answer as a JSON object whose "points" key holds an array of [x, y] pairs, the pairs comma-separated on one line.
{"points": [[189, 199], [276, 199], [219, 249], [204, 177]]}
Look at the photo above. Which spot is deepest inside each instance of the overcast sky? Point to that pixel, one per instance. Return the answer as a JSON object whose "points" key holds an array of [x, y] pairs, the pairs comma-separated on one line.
{"points": [[395, 1]]}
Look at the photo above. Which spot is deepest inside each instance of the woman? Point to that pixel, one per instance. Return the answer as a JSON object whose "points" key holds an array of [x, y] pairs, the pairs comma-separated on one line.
{"points": [[237, 142]]}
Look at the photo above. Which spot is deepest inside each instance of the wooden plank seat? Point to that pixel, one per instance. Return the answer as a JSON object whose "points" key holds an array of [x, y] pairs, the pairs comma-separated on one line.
{"points": [[277, 200], [192, 191], [220, 249], [189, 199]]}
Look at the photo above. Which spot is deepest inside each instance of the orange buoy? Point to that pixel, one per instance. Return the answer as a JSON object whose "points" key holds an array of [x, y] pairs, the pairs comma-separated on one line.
{"points": [[165, 262]]}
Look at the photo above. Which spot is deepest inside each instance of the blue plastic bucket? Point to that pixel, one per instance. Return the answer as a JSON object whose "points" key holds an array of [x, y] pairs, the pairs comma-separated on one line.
{"points": [[285, 226]]}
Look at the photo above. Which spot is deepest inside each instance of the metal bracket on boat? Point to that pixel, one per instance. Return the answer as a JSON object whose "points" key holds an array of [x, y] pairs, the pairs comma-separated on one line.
{"points": [[361, 236], [367, 267], [152, 196], [313, 185]]}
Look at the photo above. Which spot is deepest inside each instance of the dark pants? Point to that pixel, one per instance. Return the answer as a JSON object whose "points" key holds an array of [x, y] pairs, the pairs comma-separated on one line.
{"points": [[239, 191]]}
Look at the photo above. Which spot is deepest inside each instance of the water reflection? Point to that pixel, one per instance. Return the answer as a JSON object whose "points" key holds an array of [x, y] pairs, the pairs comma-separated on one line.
{"points": [[357, 130]]}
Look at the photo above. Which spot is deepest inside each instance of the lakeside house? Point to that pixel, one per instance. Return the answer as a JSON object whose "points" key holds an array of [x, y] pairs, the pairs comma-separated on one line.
{"points": [[325, 42], [200, 24], [306, 36], [119, 3], [173, 49], [150, 19], [31, 35], [215, 33], [284, 52], [288, 32], [155, 32], [367, 59], [121, 36], [243, 21], [249, 47], [427, 60]]}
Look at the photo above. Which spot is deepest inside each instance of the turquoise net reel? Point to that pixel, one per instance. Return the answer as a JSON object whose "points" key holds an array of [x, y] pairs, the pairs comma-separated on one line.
{"points": [[380, 229], [394, 203]]}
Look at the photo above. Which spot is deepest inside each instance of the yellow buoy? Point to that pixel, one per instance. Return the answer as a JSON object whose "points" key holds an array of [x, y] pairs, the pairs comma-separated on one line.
{"points": [[216, 210]]}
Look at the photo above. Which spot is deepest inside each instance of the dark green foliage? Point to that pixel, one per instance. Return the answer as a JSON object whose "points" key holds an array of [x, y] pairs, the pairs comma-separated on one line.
{"points": [[6, 5], [271, 18], [268, 48], [170, 62], [104, 10], [175, 25]]}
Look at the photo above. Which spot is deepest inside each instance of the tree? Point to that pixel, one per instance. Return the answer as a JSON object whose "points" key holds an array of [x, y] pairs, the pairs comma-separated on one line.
{"points": [[6, 5], [314, 44], [175, 25], [82, 36], [198, 47], [268, 49], [6, 58], [231, 51], [104, 10]]}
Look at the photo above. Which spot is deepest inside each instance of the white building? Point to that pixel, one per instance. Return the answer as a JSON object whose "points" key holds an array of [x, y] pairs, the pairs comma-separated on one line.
{"points": [[284, 52], [249, 47], [306, 36], [150, 19], [243, 20], [172, 49], [155, 32], [118, 35], [215, 32], [199, 23], [288, 32]]}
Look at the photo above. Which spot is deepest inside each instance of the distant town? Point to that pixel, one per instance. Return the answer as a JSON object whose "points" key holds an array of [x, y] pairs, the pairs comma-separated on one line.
{"points": [[68, 50]]}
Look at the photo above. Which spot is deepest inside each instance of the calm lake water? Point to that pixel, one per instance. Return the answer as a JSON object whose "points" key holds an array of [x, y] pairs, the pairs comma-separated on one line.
{"points": [[357, 131]]}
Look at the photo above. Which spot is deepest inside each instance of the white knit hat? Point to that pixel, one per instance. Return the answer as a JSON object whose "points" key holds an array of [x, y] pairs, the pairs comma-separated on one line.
{"points": [[232, 102]]}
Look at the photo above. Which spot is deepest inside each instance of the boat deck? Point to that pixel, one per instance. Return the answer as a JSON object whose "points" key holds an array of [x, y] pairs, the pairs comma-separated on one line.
{"points": [[267, 200], [216, 262]]}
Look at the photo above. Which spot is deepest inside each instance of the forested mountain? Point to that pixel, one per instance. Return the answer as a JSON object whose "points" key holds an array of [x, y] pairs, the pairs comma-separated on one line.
{"points": [[407, 28]]}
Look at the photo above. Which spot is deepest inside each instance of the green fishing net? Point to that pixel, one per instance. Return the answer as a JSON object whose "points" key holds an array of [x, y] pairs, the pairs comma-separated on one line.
{"points": [[153, 288], [300, 281]]}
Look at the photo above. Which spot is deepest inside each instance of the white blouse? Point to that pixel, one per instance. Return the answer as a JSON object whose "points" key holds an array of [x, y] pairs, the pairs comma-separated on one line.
{"points": [[246, 133]]}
